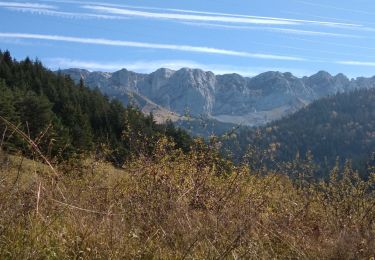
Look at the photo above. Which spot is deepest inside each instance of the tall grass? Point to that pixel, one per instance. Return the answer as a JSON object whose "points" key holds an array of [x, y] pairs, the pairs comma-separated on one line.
{"points": [[175, 205]]}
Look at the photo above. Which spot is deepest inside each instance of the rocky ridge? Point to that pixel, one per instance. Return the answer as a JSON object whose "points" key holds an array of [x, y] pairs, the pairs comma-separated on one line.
{"points": [[227, 98]]}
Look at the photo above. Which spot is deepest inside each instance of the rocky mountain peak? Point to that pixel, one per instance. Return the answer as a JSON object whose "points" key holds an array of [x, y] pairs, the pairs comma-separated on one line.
{"points": [[163, 73], [341, 79], [289, 75], [76, 74], [194, 78], [228, 98], [341, 76], [270, 74], [321, 75]]}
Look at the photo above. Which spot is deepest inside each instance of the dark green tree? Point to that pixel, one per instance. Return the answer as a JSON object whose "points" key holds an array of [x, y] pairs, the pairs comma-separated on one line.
{"points": [[36, 114]]}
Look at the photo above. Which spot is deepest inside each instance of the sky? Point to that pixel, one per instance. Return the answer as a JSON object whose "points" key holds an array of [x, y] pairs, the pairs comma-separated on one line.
{"points": [[247, 37]]}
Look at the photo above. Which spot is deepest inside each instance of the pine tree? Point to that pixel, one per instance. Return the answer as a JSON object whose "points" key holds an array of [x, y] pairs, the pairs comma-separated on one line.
{"points": [[35, 112], [7, 109]]}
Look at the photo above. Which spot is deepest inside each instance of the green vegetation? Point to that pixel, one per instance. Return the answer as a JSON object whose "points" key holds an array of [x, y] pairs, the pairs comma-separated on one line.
{"points": [[181, 205], [68, 120], [169, 196], [339, 126]]}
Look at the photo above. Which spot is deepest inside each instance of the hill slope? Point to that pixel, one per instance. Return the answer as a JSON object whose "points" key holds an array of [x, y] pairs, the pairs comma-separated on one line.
{"points": [[342, 125], [67, 119]]}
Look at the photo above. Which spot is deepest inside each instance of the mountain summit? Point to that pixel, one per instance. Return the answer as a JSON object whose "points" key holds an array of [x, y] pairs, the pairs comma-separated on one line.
{"points": [[227, 98]]}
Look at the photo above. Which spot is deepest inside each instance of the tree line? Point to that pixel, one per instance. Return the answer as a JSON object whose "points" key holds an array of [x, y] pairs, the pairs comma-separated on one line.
{"points": [[66, 119], [337, 128]]}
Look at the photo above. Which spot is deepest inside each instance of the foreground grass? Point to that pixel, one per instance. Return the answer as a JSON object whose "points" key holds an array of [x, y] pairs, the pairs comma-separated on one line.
{"points": [[176, 205]]}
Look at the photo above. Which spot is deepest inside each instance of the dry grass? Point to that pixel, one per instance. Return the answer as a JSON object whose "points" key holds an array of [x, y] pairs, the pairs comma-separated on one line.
{"points": [[178, 206]]}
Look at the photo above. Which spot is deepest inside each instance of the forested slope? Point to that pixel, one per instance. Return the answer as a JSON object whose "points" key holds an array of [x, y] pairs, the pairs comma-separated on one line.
{"points": [[341, 126], [66, 119]]}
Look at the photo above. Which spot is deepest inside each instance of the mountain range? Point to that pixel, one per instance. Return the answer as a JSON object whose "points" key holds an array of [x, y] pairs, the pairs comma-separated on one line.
{"points": [[231, 98]]}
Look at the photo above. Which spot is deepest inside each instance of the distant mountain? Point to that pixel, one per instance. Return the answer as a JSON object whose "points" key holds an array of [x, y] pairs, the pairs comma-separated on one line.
{"points": [[341, 126], [228, 98]]}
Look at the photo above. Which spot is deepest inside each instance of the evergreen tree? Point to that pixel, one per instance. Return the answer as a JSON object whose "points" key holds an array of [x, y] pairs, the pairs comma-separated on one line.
{"points": [[66, 119], [35, 112]]}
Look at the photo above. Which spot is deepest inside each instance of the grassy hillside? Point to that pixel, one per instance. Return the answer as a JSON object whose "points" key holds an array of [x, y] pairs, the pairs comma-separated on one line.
{"points": [[177, 206], [170, 197]]}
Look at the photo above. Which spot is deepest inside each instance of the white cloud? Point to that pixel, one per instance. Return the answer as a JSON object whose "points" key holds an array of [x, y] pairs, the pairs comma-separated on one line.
{"points": [[357, 63], [26, 5], [326, 23], [148, 66], [173, 14], [273, 29], [189, 17], [312, 33], [66, 14], [32, 8], [217, 15], [184, 48]]}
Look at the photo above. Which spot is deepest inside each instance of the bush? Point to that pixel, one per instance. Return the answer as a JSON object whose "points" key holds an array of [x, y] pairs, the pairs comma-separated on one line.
{"points": [[181, 205]]}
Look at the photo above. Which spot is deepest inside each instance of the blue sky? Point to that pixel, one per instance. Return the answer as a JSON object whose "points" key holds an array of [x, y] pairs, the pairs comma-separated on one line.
{"points": [[224, 36]]}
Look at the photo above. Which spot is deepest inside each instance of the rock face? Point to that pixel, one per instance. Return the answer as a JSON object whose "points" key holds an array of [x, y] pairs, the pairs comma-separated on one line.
{"points": [[227, 98]]}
